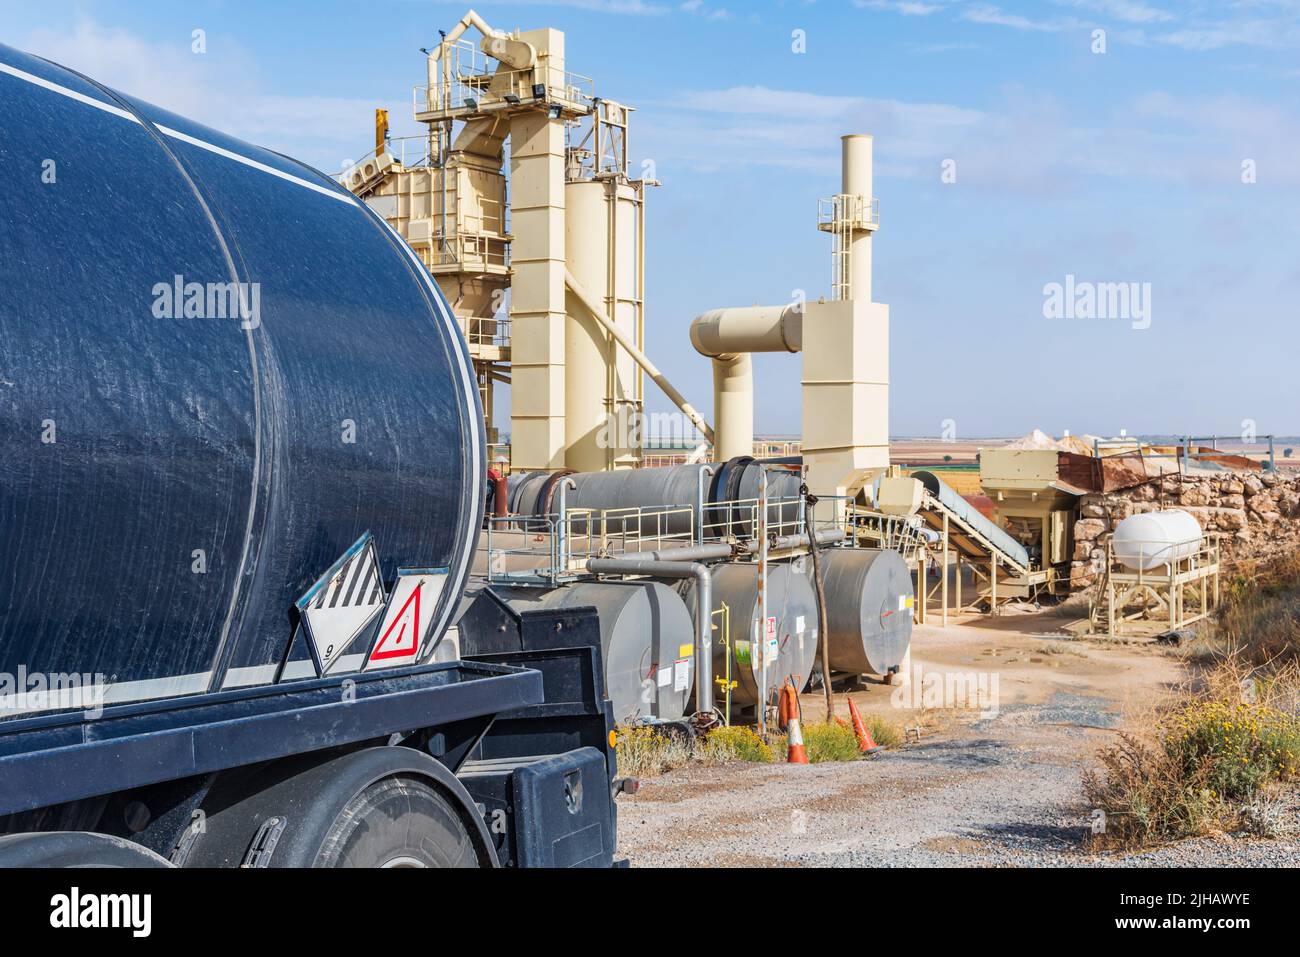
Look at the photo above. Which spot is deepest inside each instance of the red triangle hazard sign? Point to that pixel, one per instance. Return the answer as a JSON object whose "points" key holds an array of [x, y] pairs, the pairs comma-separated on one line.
{"points": [[402, 637]]}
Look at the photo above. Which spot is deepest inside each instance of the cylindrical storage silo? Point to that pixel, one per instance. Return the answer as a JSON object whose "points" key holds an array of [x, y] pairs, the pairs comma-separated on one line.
{"points": [[869, 600], [791, 634], [601, 394], [219, 370], [591, 443], [647, 642], [1151, 539]]}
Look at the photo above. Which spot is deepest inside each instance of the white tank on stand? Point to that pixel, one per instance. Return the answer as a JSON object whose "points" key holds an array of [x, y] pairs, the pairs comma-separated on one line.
{"points": [[1151, 539]]}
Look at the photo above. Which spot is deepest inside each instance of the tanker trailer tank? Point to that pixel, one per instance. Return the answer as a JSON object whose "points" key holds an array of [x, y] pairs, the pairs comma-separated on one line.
{"points": [[220, 370], [869, 600], [791, 631], [647, 642]]}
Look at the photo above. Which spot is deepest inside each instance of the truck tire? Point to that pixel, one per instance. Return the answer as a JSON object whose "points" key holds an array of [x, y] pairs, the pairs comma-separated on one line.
{"points": [[398, 822], [74, 849], [383, 806]]}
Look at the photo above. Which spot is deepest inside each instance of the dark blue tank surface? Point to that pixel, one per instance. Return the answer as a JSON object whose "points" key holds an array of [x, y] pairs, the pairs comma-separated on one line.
{"points": [[171, 483]]}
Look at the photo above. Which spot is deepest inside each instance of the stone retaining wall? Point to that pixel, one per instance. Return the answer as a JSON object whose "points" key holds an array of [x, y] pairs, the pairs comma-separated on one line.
{"points": [[1257, 515]]}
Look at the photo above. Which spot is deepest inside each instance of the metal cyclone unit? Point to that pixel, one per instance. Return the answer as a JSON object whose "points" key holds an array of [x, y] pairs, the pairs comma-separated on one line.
{"points": [[173, 480]]}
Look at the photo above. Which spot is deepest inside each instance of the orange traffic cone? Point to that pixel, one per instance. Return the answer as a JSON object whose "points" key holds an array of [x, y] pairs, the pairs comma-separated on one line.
{"points": [[786, 705], [866, 743], [795, 753]]}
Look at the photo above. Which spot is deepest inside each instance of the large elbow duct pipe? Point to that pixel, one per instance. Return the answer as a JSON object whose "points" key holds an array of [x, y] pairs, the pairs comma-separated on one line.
{"points": [[597, 312], [513, 53], [748, 329], [703, 617], [728, 336], [470, 19]]}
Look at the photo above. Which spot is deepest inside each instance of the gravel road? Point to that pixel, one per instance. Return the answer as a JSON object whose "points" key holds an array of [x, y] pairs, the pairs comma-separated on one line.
{"points": [[998, 792]]}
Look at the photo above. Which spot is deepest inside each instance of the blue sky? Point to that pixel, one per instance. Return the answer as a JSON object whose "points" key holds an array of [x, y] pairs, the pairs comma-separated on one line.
{"points": [[1123, 166]]}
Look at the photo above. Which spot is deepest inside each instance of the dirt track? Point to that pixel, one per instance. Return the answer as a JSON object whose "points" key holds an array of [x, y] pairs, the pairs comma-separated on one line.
{"points": [[976, 790]]}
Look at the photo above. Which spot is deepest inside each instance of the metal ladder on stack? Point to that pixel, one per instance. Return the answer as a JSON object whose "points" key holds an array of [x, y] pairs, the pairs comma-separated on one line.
{"points": [[842, 253]]}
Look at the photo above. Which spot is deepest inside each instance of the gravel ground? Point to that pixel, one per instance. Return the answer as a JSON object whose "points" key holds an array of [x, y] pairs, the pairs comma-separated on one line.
{"points": [[1000, 792]]}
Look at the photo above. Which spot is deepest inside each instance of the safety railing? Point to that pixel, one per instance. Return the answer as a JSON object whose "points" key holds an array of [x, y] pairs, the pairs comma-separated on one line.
{"points": [[522, 549], [1192, 451], [740, 519], [466, 79], [1151, 558], [554, 548], [1179, 588], [611, 532], [469, 251], [410, 151], [855, 212], [905, 534], [483, 331]]}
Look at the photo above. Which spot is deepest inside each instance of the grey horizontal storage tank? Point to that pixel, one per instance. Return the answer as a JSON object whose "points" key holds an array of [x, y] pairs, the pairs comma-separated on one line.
{"points": [[177, 470], [869, 601], [647, 642], [791, 632]]}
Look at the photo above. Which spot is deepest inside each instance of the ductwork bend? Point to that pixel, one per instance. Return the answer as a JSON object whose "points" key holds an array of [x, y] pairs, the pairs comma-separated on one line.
{"points": [[728, 337]]}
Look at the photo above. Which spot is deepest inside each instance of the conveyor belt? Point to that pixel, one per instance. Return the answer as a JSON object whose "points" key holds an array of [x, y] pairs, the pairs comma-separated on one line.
{"points": [[973, 535]]}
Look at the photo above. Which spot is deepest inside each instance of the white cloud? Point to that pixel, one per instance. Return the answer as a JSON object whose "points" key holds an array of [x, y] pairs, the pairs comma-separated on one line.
{"points": [[1204, 26], [1264, 33], [699, 8], [709, 130], [1031, 143], [908, 8], [988, 14], [1126, 11]]}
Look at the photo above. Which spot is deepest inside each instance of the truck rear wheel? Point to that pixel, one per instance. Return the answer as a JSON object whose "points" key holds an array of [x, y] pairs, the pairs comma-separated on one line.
{"points": [[381, 806], [398, 822]]}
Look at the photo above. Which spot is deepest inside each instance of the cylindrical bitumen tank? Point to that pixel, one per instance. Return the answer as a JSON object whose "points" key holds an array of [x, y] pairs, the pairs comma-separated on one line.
{"points": [[1148, 540], [647, 642], [791, 632], [869, 600], [665, 493], [218, 369]]}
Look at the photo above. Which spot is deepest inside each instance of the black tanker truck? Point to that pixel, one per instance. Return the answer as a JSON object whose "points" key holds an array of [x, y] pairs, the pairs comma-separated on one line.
{"points": [[242, 473]]}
